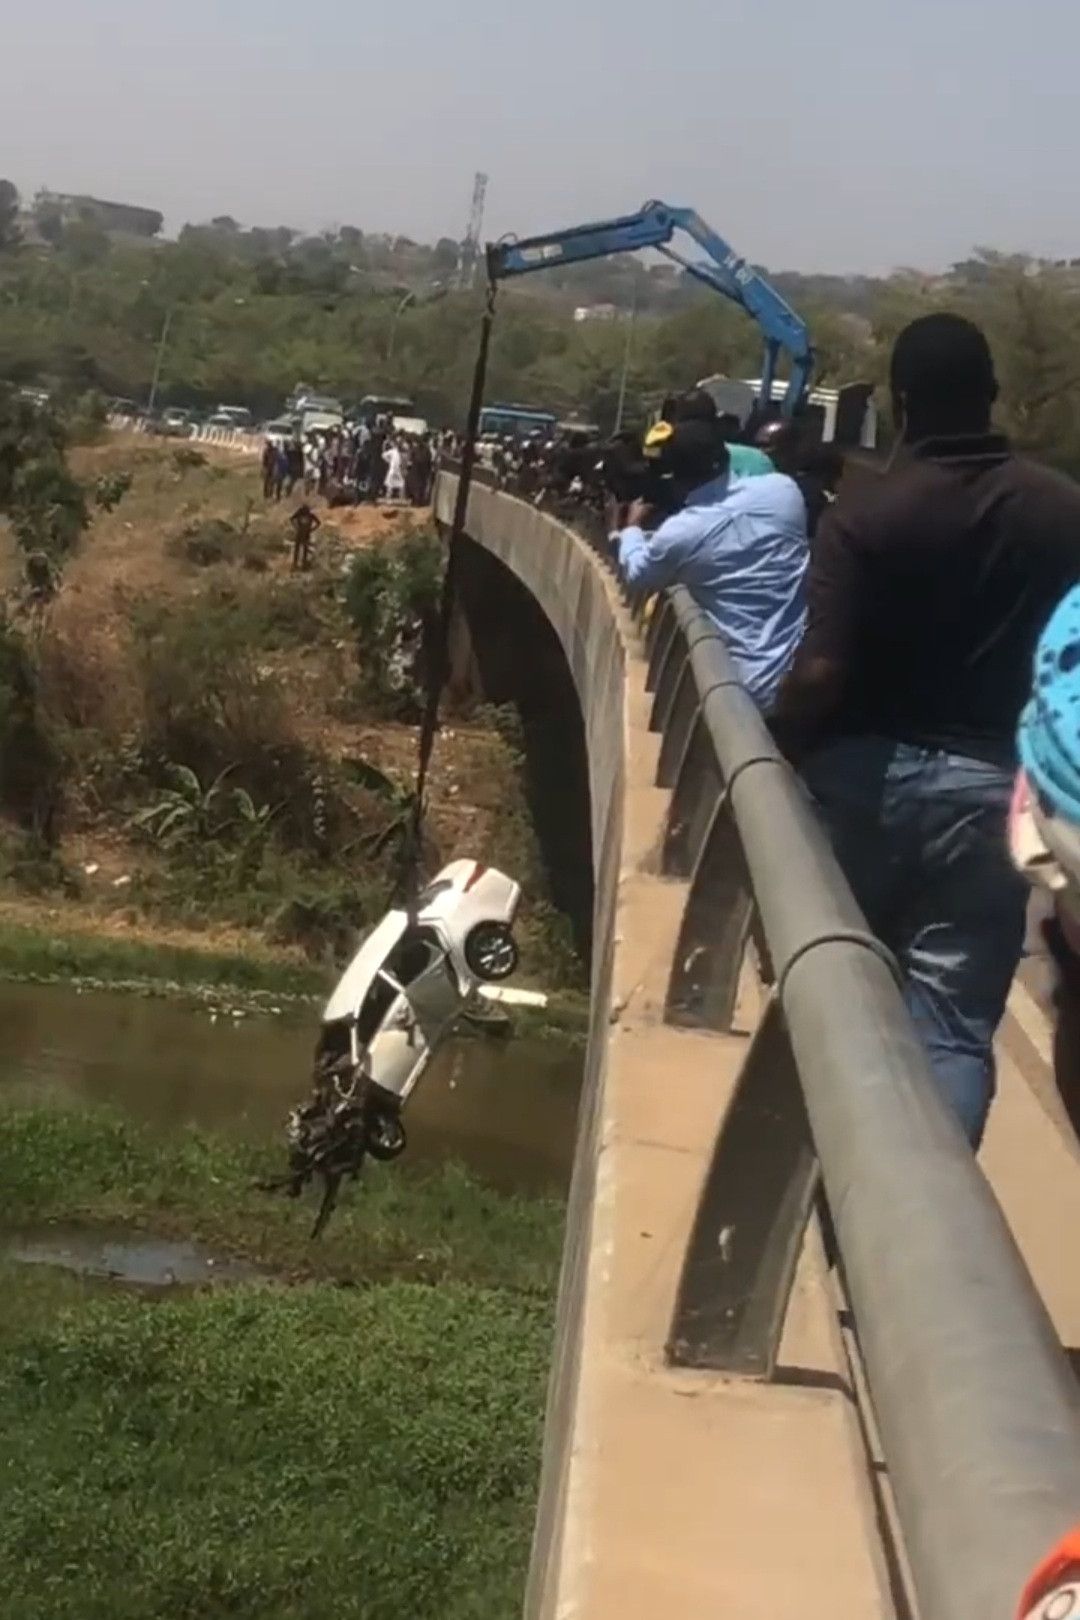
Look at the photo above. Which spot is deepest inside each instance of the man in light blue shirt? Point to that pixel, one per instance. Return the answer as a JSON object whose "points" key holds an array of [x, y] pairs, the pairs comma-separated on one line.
{"points": [[738, 545]]}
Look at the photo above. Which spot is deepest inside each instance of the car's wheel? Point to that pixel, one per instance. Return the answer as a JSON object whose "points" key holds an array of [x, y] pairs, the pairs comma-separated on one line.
{"points": [[491, 951], [386, 1136]]}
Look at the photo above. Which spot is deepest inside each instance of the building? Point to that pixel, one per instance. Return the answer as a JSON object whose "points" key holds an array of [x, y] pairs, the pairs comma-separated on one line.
{"points": [[117, 219]]}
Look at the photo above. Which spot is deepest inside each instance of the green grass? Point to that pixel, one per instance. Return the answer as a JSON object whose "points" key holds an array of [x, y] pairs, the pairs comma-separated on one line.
{"points": [[40, 956], [357, 1436], [95, 1166], [272, 1452]]}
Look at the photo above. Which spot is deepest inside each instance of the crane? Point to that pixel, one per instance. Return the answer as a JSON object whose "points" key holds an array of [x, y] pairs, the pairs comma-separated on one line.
{"points": [[654, 226]]}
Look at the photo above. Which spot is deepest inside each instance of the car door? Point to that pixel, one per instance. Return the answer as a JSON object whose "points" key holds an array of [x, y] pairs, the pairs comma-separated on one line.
{"points": [[395, 1052], [431, 985], [427, 1001]]}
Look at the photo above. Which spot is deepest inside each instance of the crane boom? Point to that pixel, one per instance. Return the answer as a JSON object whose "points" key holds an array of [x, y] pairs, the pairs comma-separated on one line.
{"points": [[723, 270]]}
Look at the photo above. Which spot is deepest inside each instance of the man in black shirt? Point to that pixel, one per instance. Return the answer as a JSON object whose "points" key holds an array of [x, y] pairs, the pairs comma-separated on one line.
{"points": [[928, 586]]}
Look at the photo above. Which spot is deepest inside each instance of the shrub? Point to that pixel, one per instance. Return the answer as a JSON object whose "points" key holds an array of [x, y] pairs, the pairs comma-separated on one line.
{"points": [[185, 458], [209, 541], [391, 596], [207, 703], [32, 762]]}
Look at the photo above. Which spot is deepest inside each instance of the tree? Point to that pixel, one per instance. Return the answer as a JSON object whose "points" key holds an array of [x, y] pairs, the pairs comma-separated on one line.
{"points": [[445, 257], [48, 219], [10, 234], [44, 502]]}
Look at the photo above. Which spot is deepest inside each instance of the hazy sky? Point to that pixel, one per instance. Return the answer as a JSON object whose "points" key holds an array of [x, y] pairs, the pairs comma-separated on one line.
{"points": [[813, 134]]}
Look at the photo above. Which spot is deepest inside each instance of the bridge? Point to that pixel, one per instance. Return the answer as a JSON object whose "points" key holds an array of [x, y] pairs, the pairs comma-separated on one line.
{"points": [[763, 1401]]}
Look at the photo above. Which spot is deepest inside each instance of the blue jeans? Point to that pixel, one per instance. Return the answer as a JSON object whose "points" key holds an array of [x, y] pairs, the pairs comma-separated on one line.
{"points": [[921, 836]]}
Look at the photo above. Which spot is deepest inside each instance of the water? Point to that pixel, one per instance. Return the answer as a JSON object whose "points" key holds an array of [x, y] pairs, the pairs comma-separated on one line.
{"points": [[117, 1257], [505, 1109]]}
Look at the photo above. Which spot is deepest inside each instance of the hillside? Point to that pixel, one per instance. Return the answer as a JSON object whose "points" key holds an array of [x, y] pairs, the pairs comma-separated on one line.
{"points": [[197, 750]]}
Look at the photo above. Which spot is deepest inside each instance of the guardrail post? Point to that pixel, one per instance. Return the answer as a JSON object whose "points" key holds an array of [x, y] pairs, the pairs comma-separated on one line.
{"points": [[704, 983], [663, 629], [698, 787], [685, 705], [750, 1223]]}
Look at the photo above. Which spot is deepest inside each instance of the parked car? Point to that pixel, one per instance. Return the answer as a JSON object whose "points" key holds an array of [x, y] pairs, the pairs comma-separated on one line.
{"points": [[222, 419], [239, 416], [280, 431], [409, 981], [175, 422]]}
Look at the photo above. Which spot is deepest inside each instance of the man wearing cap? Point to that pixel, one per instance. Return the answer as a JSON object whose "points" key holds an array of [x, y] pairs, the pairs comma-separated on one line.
{"points": [[928, 588], [738, 545]]}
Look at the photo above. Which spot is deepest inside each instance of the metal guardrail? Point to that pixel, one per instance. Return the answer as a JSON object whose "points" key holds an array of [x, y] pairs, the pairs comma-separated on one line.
{"points": [[973, 1398]]}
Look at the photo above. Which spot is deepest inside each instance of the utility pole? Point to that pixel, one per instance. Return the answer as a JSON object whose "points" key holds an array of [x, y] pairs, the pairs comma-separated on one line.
{"points": [[470, 247], [628, 351], [159, 360]]}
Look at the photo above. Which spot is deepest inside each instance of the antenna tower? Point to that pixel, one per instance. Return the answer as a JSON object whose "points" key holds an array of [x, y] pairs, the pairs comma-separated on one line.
{"points": [[470, 247]]}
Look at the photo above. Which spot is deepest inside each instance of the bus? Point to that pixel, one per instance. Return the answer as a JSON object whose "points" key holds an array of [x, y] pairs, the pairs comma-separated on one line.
{"points": [[516, 422], [373, 405]]}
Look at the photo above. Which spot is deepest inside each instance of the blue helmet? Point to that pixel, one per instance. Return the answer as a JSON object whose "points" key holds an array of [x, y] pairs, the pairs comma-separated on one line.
{"points": [[1049, 736]]}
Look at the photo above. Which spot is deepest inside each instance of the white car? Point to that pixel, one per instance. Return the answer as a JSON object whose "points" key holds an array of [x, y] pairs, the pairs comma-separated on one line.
{"points": [[409, 981]]}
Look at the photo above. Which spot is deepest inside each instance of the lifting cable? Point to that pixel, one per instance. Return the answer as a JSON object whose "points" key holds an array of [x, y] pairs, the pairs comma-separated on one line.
{"points": [[331, 1134], [438, 671]]}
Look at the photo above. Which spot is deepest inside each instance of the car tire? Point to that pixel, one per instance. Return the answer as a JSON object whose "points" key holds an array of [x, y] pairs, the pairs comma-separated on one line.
{"points": [[491, 951], [386, 1136]]}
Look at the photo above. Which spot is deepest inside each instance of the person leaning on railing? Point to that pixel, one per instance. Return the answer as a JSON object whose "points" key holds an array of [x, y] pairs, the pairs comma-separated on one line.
{"points": [[738, 545], [928, 587]]}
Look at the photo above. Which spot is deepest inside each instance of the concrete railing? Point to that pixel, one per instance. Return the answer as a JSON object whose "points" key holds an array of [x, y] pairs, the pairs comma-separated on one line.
{"points": [[971, 1393], [247, 444]]}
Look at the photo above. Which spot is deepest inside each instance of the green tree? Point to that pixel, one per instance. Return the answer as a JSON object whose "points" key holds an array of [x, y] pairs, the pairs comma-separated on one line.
{"points": [[10, 234]]}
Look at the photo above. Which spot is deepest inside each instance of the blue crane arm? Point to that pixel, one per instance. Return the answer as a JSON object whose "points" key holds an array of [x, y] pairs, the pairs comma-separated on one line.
{"points": [[725, 272]]}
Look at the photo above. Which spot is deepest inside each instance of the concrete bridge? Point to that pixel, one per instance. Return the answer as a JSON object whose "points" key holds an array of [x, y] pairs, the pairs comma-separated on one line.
{"points": [[734, 1428]]}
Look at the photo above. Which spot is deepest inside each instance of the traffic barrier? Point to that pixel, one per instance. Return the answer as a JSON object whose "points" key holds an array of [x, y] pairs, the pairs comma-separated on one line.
{"points": [[973, 1398], [248, 444]]}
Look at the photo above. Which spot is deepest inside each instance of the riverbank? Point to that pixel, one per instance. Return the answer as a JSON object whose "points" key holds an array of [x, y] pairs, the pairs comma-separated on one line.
{"points": [[209, 743], [48, 945], [355, 1431]]}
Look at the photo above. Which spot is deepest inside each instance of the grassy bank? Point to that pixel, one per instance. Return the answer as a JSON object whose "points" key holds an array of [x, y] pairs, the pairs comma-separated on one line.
{"points": [[46, 954], [358, 1434]]}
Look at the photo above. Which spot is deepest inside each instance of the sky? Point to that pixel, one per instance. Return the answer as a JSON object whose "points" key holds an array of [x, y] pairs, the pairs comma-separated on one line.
{"points": [[842, 135]]}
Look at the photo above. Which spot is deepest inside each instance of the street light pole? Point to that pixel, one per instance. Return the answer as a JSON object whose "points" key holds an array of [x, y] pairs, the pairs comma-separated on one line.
{"points": [[409, 298], [627, 354], [159, 361]]}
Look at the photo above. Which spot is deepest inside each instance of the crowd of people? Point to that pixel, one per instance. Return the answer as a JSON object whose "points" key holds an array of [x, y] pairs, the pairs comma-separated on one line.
{"points": [[888, 624], [887, 620], [351, 464]]}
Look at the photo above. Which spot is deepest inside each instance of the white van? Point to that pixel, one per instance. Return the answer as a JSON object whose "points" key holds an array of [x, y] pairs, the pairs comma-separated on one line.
{"points": [[847, 416]]}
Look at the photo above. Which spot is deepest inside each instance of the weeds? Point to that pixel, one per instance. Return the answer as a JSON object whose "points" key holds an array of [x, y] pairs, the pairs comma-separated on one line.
{"points": [[267, 1451], [391, 597], [68, 955]]}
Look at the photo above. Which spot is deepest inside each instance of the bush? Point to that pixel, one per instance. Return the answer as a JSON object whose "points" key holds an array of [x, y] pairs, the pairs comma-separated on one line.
{"points": [[207, 703], [185, 458], [209, 541], [323, 922], [392, 597], [32, 762], [48, 509], [88, 418]]}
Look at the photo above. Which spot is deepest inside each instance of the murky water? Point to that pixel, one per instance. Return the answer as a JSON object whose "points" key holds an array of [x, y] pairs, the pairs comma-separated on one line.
{"points": [[117, 1257], [506, 1109]]}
